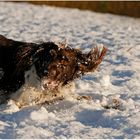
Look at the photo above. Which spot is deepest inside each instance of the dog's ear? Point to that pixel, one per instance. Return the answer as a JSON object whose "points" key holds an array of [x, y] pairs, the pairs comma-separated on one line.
{"points": [[26, 56], [93, 59], [29, 53]]}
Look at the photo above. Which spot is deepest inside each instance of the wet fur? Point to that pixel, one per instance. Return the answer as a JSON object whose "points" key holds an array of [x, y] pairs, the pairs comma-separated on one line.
{"points": [[56, 63]]}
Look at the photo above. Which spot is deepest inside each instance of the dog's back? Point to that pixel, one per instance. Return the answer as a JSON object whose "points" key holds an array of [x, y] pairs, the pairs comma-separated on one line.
{"points": [[7, 50]]}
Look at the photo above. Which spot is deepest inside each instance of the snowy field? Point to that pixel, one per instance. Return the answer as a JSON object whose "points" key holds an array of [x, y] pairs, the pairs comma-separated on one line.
{"points": [[114, 110]]}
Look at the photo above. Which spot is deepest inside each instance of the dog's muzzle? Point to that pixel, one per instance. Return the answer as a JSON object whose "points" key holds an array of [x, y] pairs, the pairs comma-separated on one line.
{"points": [[48, 84]]}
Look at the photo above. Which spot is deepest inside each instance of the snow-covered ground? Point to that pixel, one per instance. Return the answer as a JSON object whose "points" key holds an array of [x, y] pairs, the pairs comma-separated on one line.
{"points": [[114, 111]]}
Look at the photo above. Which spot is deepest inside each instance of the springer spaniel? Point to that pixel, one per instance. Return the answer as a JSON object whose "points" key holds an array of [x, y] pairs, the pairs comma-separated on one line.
{"points": [[47, 66]]}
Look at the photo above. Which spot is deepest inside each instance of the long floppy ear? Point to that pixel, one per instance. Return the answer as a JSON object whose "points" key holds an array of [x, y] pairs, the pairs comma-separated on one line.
{"points": [[26, 56], [29, 53], [94, 58]]}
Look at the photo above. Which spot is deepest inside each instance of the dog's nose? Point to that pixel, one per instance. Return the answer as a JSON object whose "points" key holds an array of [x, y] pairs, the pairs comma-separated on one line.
{"points": [[45, 85], [49, 84]]}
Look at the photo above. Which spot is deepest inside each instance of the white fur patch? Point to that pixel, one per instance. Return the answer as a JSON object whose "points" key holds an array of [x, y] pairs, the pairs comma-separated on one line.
{"points": [[31, 92]]}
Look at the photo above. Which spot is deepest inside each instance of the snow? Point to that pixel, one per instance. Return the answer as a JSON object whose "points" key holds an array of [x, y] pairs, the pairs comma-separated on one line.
{"points": [[114, 110]]}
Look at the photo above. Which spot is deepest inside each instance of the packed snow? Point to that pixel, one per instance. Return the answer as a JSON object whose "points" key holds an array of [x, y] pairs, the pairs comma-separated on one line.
{"points": [[113, 110]]}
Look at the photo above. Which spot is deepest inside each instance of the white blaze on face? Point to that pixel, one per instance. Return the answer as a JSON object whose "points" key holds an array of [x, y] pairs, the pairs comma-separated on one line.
{"points": [[31, 78]]}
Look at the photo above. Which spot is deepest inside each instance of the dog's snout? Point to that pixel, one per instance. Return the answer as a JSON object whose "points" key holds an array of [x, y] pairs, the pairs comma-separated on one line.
{"points": [[45, 85], [49, 84]]}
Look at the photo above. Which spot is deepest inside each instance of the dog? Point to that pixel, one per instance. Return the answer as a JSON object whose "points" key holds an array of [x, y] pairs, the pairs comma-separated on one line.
{"points": [[45, 65]]}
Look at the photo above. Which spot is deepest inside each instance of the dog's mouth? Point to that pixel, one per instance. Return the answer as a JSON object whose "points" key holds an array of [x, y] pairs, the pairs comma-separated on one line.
{"points": [[48, 84]]}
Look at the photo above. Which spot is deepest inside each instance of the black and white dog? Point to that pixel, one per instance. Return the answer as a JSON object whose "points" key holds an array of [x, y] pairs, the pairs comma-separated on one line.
{"points": [[47, 66]]}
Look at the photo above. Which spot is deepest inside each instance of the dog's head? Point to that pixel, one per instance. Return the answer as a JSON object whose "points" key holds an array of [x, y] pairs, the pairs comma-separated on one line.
{"points": [[57, 65]]}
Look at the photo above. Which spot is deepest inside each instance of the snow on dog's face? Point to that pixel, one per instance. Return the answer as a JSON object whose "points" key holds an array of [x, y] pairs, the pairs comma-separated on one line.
{"points": [[64, 67], [57, 65], [68, 64]]}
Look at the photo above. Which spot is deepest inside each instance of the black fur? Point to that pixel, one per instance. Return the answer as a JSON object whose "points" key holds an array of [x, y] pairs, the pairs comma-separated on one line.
{"points": [[17, 57]]}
